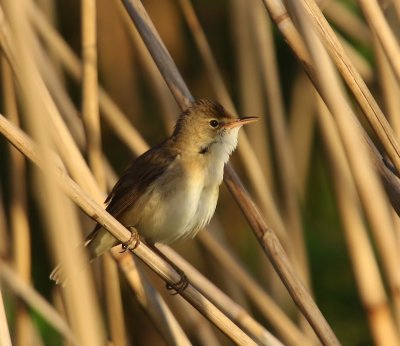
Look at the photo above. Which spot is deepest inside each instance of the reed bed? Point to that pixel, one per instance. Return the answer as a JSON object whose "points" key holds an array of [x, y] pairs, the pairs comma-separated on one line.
{"points": [[304, 246]]}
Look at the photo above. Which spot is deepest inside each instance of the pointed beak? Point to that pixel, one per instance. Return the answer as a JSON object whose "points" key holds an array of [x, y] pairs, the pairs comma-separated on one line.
{"points": [[240, 122]]}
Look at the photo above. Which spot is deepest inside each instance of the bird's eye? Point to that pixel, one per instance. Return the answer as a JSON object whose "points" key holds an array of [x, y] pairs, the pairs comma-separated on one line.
{"points": [[214, 123]]}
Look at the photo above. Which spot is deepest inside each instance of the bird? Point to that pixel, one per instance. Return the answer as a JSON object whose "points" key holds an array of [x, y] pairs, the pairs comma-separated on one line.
{"points": [[170, 192]]}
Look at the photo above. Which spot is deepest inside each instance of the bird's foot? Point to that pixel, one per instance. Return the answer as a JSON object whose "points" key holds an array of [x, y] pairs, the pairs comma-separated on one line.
{"points": [[179, 286], [133, 241]]}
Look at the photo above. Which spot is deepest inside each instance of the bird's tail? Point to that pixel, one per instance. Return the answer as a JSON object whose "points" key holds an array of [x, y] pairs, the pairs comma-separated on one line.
{"points": [[96, 244], [59, 275]]}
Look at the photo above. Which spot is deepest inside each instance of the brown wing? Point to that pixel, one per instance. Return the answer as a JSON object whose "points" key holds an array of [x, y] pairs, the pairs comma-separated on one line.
{"points": [[137, 178]]}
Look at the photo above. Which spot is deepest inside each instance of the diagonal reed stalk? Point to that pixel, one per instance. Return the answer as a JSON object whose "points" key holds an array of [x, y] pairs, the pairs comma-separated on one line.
{"points": [[385, 35], [32, 298], [369, 188], [360, 91], [362, 255], [151, 300], [366, 102]]}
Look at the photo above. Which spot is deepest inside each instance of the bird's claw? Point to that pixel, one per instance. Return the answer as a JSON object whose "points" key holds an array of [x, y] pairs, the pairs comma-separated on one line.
{"points": [[179, 286], [133, 241]]}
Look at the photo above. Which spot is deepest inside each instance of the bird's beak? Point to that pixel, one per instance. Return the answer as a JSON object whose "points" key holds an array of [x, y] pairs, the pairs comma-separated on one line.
{"points": [[240, 122]]}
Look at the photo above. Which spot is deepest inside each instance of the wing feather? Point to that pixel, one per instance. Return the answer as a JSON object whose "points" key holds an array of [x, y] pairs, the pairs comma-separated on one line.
{"points": [[136, 179]]}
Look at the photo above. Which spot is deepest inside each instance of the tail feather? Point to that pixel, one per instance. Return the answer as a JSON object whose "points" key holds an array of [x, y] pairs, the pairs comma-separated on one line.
{"points": [[58, 276], [97, 243]]}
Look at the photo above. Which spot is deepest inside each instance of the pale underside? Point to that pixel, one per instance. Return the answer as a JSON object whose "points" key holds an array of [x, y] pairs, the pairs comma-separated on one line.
{"points": [[182, 200]]}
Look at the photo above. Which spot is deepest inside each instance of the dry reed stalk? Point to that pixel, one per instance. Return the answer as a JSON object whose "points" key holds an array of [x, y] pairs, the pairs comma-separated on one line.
{"points": [[178, 87], [19, 223], [56, 209], [113, 299], [272, 247], [378, 24], [36, 337], [261, 176], [97, 212], [60, 134], [284, 23], [356, 29], [231, 308], [18, 209], [121, 125], [32, 298], [355, 83], [396, 5], [369, 188], [390, 88], [347, 21], [223, 279], [49, 8], [287, 330], [61, 98], [5, 339], [361, 93], [209, 61], [250, 99], [91, 120], [161, 91], [280, 17], [200, 331], [150, 300], [267, 238], [353, 26], [301, 128], [359, 61], [365, 266], [90, 105], [284, 156], [59, 305], [4, 241], [109, 110], [59, 94]]}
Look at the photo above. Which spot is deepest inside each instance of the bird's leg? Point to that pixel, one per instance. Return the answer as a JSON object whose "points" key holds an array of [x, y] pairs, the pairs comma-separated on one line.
{"points": [[133, 241], [183, 282]]}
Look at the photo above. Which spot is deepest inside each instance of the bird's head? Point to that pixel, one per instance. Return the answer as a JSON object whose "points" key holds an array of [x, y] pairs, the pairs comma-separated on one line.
{"points": [[206, 127]]}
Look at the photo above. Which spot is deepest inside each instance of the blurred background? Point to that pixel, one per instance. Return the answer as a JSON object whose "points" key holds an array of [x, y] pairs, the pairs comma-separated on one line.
{"points": [[243, 62]]}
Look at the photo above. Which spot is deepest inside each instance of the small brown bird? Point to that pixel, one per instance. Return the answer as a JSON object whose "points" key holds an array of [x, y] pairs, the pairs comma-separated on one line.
{"points": [[171, 191]]}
